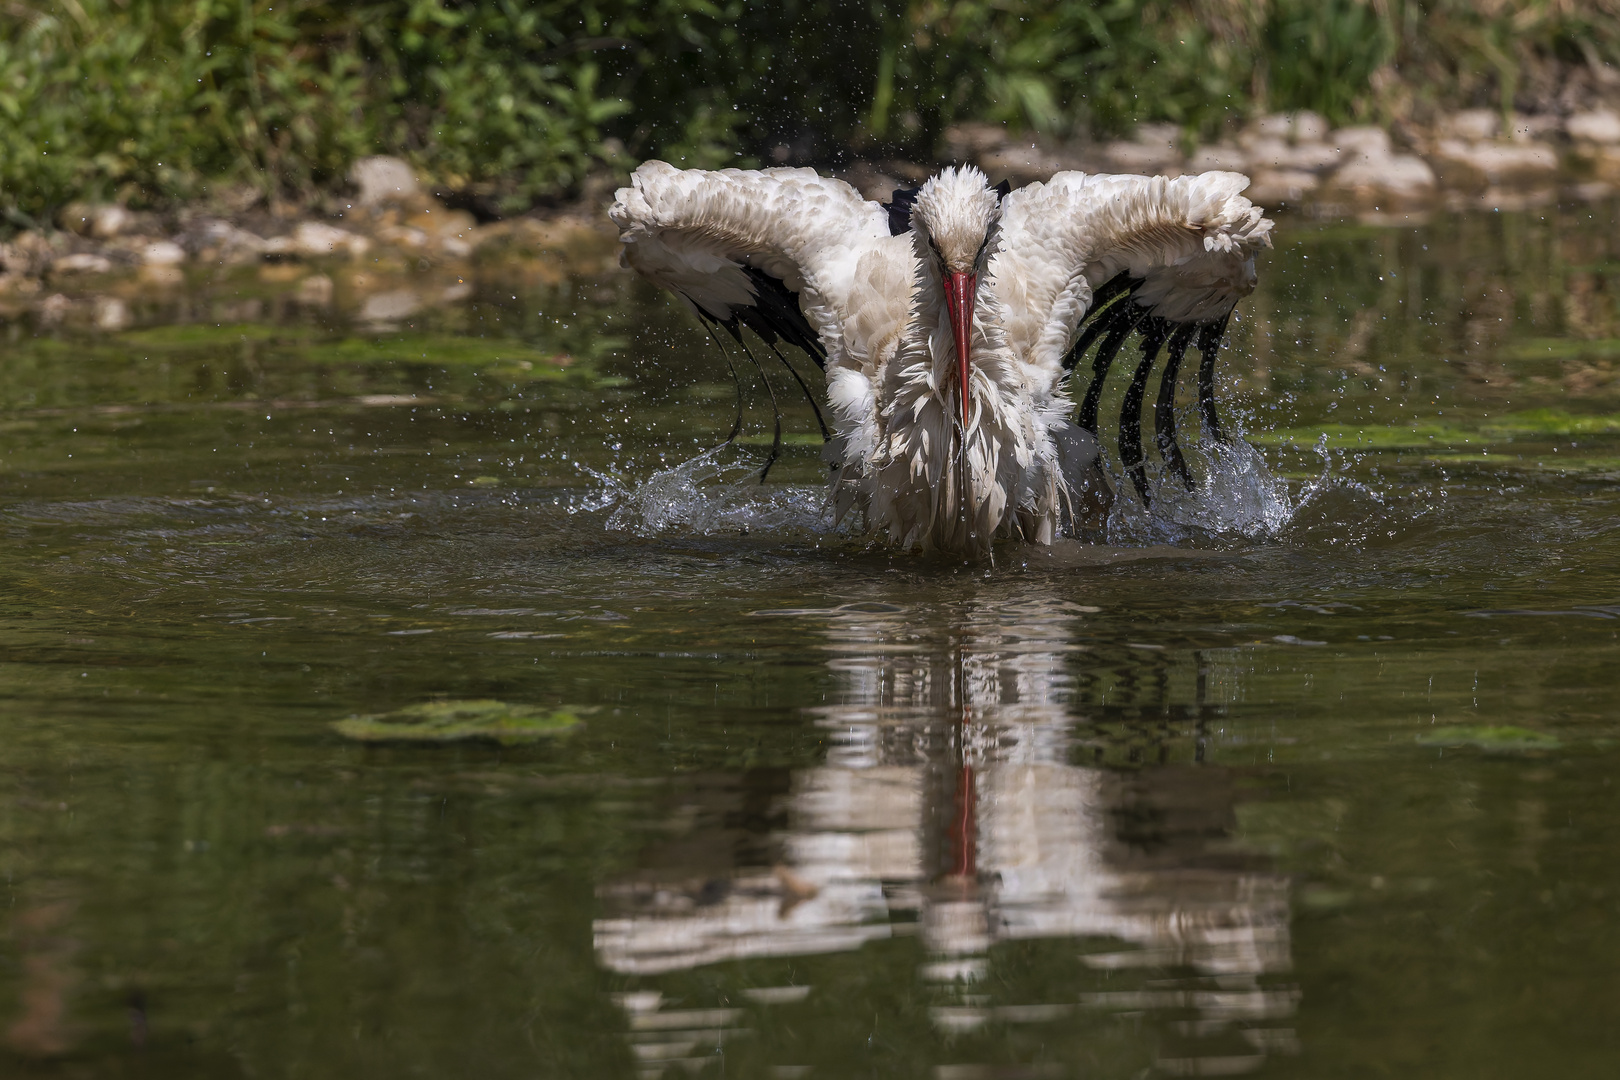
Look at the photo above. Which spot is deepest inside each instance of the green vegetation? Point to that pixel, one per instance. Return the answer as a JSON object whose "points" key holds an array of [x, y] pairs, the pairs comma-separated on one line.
{"points": [[1488, 737], [508, 103], [460, 721], [1437, 435]]}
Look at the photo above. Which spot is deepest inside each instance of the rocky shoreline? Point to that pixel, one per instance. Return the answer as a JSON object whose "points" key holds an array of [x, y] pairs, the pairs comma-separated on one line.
{"points": [[1471, 160], [391, 247], [381, 255]]}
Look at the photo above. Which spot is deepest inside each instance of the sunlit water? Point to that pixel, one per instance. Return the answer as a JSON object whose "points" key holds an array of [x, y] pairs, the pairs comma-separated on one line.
{"points": [[1228, 793]]}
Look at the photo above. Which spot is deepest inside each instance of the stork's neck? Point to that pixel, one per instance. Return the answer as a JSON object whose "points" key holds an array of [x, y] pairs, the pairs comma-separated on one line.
{"points": [[930, 345], [920, 476]]}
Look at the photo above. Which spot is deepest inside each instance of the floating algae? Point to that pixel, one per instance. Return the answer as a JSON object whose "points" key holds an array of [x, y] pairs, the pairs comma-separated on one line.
{"points": [[460, 721], [1489, 738]]}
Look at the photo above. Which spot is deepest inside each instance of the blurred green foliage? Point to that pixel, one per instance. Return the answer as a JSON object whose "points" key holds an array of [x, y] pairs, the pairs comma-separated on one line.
{"points": [[517, 102]]}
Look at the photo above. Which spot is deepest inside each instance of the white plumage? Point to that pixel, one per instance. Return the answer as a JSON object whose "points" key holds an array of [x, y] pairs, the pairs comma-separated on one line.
{"points": [[892, 302]]}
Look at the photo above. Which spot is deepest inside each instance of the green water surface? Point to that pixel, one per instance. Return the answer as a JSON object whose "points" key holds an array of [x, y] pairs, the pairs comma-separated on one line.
{"points": [[1335, 797]]}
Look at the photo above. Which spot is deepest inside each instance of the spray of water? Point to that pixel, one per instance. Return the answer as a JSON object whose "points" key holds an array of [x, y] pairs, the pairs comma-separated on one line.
{"points": [[717, 492], [1237, 497]]}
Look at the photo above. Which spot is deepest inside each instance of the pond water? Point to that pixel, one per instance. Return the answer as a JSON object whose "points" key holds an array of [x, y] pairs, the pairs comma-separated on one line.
{"points": [[1310, 775]]}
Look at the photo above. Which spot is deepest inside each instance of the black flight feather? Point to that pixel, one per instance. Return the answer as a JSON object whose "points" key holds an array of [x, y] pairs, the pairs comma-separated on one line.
{"points": [[899, 208], [1164, 410], [1154, 333], [1120, 320], [1100, 315], [1209, 343], [775, 314]]}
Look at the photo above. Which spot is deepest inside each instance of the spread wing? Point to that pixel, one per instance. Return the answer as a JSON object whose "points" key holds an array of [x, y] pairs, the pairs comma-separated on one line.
{"points": [[774, 250], [1107, 256], [793, 255]]}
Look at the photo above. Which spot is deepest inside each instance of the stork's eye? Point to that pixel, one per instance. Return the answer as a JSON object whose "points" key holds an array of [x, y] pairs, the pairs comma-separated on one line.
{"points": [[938, 254]]}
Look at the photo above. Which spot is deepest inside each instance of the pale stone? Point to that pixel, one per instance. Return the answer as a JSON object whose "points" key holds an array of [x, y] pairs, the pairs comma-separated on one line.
{"points": [[315, 239], [53, 309], [165, 276], [1366, 141], [315, 290], [1264, 150], [1606, 163], [383, 179], [442, 221], [1272, 186], [1273, 126], [81, 264], [1222, 157], [1306, 157], [12, 284], [1157, 135], [403, 236], [1495, 163], [110, 220], [390, 306], [1141, 157], [1401, 176], [1472, 124], [163, 253], [1538, 126], [111, 314], [1304, 127], [100, 220], [1599, 126], [1309, 127], [279, 247], [221, 242]]}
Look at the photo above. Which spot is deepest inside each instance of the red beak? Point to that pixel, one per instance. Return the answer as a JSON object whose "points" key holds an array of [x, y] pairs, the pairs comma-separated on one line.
{"points": [[959, 290]]}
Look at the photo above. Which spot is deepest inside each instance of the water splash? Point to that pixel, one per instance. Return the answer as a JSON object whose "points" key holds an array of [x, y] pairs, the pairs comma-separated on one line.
{"points": [[716, 492], [1236, 496]]}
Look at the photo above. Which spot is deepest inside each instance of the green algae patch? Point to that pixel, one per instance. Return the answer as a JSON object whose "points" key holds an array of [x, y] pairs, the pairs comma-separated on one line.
{"points": [[442, 350], [1444, 437], [476, 720], [1372, 437], [1561, 349], [1553, 422], [1485, 737], [202, 335]]}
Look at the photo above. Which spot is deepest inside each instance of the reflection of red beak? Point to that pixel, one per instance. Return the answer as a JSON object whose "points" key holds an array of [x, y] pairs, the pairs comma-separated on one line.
{"points": [[959, 290]]}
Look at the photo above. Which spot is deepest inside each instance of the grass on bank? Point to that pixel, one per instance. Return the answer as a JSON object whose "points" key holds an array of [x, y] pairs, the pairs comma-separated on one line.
{"points": [[507, 104]]}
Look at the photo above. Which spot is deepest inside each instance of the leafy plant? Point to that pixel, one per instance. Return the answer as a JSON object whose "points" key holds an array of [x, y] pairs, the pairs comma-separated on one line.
{"points": [[514, 103]]}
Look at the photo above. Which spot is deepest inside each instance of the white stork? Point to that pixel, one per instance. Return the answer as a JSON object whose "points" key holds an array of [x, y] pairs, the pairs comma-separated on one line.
{"points": [[946, 321]]}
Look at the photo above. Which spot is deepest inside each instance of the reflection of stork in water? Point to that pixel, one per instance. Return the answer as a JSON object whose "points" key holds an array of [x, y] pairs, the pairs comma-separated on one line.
{"points": [[948, 792], [948, 320]]}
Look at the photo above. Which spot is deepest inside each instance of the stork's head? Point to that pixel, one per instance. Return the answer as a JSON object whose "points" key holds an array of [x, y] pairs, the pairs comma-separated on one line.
{"points": [[955, 219]]}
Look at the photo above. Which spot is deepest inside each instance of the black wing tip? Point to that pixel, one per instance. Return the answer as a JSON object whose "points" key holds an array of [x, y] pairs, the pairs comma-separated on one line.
{"points": [[776, 314], [899, 207]]}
